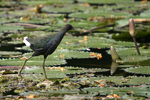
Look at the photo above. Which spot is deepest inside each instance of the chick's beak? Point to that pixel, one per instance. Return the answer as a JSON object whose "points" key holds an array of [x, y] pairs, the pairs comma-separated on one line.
{"points": [[73, 28]]}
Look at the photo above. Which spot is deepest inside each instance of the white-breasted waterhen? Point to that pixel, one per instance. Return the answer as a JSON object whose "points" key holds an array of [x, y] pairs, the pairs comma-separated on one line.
{"points": [[45, 45]]}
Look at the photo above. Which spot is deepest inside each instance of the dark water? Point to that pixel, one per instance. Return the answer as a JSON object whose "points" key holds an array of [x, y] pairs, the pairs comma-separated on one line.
{"points": [[105, 62]]}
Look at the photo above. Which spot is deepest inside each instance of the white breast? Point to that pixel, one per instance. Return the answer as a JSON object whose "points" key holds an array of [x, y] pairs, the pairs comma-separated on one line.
{"points": [[26, 42]]}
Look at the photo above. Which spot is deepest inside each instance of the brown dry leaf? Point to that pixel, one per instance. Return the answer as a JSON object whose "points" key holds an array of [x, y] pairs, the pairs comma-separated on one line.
{"points": [[90, 19], [109, 96], [68, 43], [144, 1], [23, 58], [131, 58], [62, 56], [62, 69], [86, 4], [99, 81], [85, 38], [130, 92], [102, 85], [92, 54], [99, 56], [115, 95], [64, 20], [30, 96], [119, 61], [141, 20], [50, 68]]}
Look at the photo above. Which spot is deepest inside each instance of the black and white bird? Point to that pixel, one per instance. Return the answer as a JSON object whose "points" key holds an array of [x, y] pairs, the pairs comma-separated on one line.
{"points": [[45, 45]]}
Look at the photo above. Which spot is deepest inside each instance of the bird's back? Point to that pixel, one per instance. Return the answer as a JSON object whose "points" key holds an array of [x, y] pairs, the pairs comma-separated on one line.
{"points": [[40, 42]]}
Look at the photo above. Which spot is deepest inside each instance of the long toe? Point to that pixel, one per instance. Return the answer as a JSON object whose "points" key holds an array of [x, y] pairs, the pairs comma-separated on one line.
{"points": [[47, 83], [19, 75]]}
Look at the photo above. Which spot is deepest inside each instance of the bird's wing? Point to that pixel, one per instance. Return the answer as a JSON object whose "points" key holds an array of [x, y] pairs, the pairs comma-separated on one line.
{"points": [[40, 42]]}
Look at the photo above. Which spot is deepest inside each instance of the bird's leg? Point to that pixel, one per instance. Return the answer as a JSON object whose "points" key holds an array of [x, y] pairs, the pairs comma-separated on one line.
{"points": [[19, 73], [44, 69]]}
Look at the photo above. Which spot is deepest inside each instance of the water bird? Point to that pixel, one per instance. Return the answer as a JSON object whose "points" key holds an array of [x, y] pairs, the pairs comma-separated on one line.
{"points": [[45, 45]]}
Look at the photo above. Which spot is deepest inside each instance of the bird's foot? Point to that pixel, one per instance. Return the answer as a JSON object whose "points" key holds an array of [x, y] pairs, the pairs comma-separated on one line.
{"points": [[19, 75], [47, 83]]}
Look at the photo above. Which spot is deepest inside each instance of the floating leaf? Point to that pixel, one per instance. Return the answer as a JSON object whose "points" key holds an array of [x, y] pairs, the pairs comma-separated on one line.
{"points": [[33, 61], [51, 92], [9, 54], [7, 28], [139, 70], [122, 81], [142, 91]]}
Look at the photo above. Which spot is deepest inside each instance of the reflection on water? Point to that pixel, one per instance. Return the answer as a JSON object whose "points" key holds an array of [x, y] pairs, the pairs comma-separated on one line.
{"points": [[113, 67]]}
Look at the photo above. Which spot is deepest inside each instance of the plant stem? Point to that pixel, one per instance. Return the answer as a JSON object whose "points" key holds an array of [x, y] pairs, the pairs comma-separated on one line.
{"points": [[136, 45]]}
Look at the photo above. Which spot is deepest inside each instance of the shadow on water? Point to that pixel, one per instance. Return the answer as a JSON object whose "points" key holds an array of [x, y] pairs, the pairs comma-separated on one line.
{"points": [[10, 47], [105, 62]]}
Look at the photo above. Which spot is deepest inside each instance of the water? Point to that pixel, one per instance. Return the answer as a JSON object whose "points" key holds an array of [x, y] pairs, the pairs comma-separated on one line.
{"points": [[105, 62]]}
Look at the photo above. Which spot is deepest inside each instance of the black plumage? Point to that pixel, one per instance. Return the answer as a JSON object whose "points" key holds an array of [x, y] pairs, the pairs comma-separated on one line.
{"points": [[45, 45]]}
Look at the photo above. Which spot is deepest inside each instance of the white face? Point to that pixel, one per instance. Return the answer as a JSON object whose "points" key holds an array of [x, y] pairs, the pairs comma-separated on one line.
{"points": [[26, 42]]}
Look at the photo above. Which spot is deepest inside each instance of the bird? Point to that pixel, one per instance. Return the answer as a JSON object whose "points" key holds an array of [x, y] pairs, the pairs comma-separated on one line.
{"points": [[45, 45]]}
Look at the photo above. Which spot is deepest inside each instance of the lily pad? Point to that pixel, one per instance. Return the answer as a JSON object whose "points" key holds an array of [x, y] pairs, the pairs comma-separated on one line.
{"points": [[108, 1], [67, 8], [122, 81], [54, 59], [142, 91], [54, 70], [77, 24], [7, 28], [92, 42], [9, 54], [51, 92], [139, 70], [129, 55], [133, 58], [33, 61], [66, 54], [100, 13], [49, 2]]}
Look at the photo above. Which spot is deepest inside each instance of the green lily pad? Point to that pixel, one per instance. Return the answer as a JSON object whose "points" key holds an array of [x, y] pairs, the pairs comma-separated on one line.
{"points": [[78, 24], [51, 92], [129, 55], [108, 1], [133, 58], [141, 91], [98, 13], [122, 81], [7, 28], [68, 8], [54, 70], [47, 2], [57, 72], [56, 58], [139, 70], [33, 61], [9, 54], [65, 54], [92, 42], [35, 20], [102, 42]]}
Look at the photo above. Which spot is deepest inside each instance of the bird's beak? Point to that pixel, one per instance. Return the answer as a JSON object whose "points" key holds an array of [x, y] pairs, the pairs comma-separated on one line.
{"points": [[73, 28]]}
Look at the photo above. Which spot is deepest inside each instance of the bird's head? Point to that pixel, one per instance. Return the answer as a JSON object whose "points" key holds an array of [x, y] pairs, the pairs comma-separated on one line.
{"points": [[68, 27]]}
